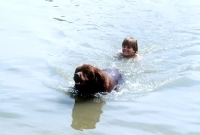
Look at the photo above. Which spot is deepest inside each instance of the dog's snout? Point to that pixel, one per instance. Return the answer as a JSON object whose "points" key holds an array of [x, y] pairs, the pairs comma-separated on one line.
{"points": [[76, 77]]}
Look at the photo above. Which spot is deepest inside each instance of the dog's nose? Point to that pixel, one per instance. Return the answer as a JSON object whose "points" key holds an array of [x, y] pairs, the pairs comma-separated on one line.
{"points": [[77, 77]]}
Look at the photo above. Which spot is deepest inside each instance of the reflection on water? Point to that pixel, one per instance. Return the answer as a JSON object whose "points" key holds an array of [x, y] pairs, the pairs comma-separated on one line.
{"points": [[86, 113]]}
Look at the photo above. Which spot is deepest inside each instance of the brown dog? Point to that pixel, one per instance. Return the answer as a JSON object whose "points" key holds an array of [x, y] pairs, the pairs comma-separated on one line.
{"points": [[90, 80]]}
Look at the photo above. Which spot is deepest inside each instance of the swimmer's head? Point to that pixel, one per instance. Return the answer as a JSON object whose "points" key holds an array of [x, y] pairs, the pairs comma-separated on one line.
{"points": [[130, 42]]}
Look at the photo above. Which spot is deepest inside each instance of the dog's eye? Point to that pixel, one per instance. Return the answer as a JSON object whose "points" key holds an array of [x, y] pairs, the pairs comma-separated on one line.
{"points": [[85, 71], [88, 73]]}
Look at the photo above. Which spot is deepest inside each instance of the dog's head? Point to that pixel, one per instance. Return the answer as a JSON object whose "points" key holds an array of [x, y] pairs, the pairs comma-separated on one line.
{"points": [[89, 79]]}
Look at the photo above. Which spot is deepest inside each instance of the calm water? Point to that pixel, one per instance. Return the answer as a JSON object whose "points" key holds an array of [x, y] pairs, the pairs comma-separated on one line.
{"points": [[42, 42]]}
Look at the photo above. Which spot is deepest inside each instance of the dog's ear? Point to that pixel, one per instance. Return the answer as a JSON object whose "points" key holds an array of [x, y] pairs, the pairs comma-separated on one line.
{"points": [[99, 77], [98, 74]]}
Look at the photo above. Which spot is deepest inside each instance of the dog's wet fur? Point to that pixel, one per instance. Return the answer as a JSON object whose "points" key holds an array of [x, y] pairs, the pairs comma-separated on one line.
{"points": [[90, 80]]}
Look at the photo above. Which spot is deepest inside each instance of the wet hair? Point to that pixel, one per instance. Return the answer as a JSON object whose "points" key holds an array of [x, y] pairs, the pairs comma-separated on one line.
{"points": [[130, 41]]}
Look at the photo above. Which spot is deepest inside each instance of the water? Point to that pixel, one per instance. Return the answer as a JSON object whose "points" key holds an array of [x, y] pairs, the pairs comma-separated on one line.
{"points": [[42, 42]]}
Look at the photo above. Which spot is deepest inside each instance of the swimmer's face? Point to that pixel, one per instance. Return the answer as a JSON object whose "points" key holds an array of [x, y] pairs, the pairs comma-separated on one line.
{"points": [[127, 51]]}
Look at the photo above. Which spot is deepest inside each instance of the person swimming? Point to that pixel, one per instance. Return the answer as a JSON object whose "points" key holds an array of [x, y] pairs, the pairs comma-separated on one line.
{"points": [[129, 47]]}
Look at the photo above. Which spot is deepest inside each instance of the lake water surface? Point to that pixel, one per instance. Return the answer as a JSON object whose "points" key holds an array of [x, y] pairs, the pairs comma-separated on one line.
{"points": [[42, 42]]}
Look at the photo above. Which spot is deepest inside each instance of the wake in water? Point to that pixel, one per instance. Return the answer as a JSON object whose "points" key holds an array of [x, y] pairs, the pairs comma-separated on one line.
{"points": [[163, 62], [141, 77]]}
